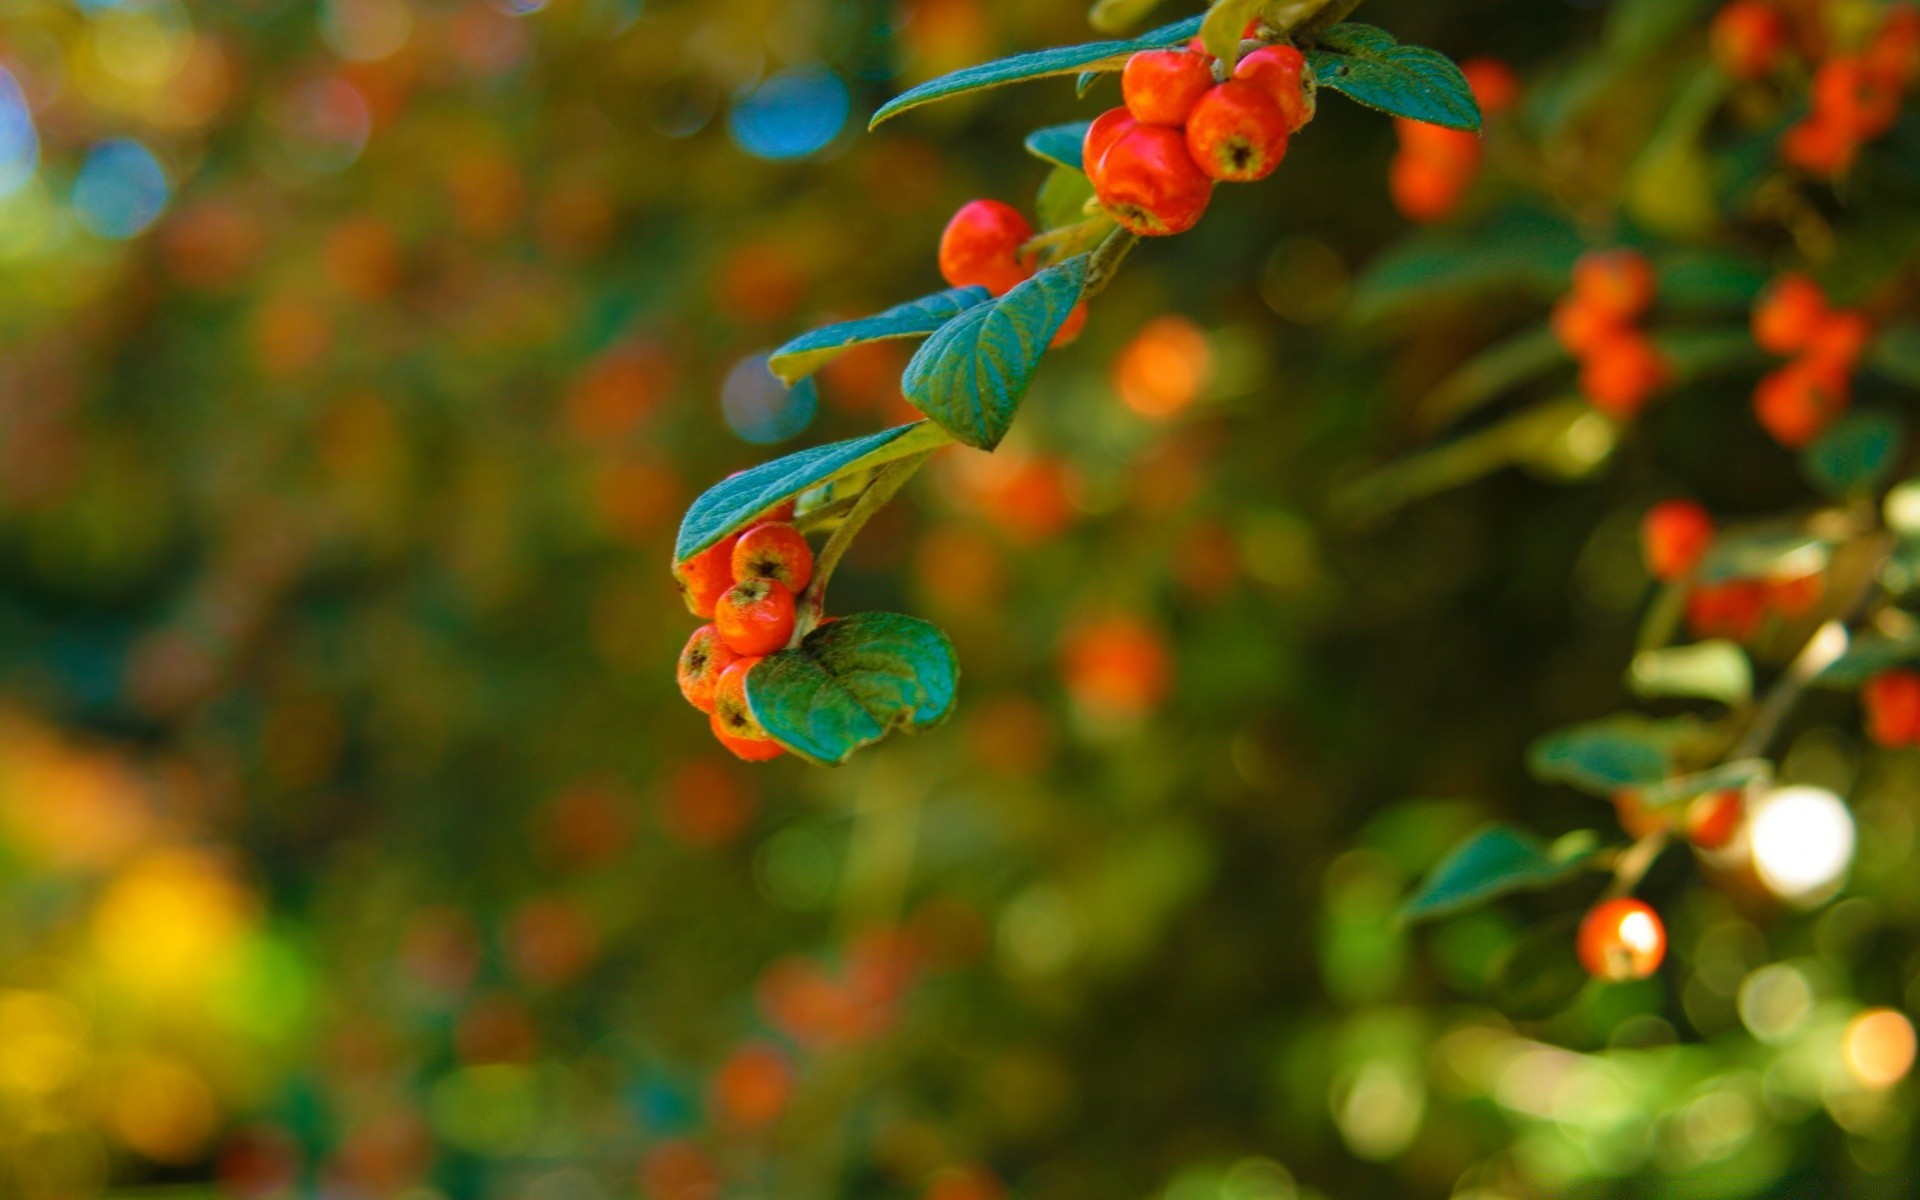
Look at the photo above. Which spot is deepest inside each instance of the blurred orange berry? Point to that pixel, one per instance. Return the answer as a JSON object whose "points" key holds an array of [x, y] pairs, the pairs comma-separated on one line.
{"points": [[1164, 368], [1892, 703], [1733, 609], [1495, 86], [1621, 372], [1796, 403], [1674, 536], [1787, 313], [751, 1088], [1714, 819], [1116, 667], [679, 1170], [1747, 38], [551, 941], [1618, 284]]}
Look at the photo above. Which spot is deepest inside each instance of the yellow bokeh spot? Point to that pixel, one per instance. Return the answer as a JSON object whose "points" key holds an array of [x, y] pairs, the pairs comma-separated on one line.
{"points": [[171, 925], [41, 1042], [161, 1109], [1879, 1047]]}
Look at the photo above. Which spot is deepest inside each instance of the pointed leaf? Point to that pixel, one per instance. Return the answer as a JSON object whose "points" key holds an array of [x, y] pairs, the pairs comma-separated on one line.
{"points": [[1497, 860], [1061, 60], [1221, 29], [1059, 144], [1867, 656], [1369, 66], [1712, 670], [737, 500], [851, 682], [969, 377], [916, 318], [1604, 756]]}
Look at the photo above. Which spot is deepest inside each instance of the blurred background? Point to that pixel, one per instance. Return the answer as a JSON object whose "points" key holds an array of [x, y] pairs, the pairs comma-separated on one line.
{"points": [[360, 358]]}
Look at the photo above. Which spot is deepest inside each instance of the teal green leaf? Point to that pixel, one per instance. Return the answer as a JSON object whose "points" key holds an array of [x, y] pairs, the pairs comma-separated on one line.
{"points": [[737, 500], [1520, 247], [1497, 860], [1604, 756], [916, 318], [1712, 670], [969, 377], [1858, 453], [851, 682], [1541, 974], [1738, 775], [1059, 144], [1061, 60], [1866, 656], [1368, 65]]}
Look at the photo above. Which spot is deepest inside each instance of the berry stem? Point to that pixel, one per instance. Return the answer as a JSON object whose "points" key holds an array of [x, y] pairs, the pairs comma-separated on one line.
{"points": [[1107, 257], [886, 481]]}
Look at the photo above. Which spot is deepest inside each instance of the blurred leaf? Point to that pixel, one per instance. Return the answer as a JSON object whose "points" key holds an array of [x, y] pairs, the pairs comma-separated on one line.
{"points": [[1063, 198], [1726, 777], [1542, 974], [1601, 757], [1637, 28], [1699, 353], [969, 377], [1493, 862], [1061, 60], [1220, 31], [1895, 353], [1112, 16], [1763, 553], [916, 318], [1492, 373], [1866, 656], [851, 682], [1712, 670], [1059, 144], [1369, 66], [1521, 247], [1669, 187], [738, 499], [1706, 279], [1859, 452]]}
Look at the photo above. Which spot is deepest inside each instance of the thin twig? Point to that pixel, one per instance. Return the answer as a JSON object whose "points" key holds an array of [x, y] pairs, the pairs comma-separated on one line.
{"points": [[886, 481], [1107, 257]]}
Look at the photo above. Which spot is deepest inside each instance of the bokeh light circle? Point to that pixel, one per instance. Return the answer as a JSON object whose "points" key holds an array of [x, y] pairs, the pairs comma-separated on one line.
{"points": [[758, 409], [120, 190], [1802, 841], [791, 114]]}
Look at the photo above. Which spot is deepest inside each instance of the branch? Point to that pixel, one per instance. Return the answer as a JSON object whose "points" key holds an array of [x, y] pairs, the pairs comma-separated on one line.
{"points": [[886, 481]]}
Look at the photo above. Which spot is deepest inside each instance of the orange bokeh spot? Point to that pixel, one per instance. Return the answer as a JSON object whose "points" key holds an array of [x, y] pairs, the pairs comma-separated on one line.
{"points": [[678, 1170], [708, 803], [291, 335], [212, 245], [636, 500], [496, 1029], [590, 823], [759, 282], [750, 1090], [1116, 667], [440, 949], [362, 258], [1879, 1047], [966, 1183], [551, 941], [1164, 369], [161, 1109], [619, 390]]}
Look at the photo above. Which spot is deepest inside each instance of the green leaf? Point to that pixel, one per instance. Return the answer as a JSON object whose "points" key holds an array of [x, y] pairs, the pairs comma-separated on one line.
{"points": [[1857, 454], [1712, 670], [1541, 974], [1698, 353], [1726, 777], [1866, 656], [1522, 247], [1493, 372], [737, 500], [1111, 16], [969, 377], [1604, 756], [1063, 199], [916, 318], [1497, 860], [1766, 553], [1368, 65], [853, 681], [1220, 30], [1059, 144], [1061, 60]]}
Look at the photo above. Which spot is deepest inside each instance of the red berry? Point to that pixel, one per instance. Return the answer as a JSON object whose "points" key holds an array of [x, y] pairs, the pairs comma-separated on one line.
{"points": [[1747, 38], [1162, 86], [1107, 128], [1425, 188], [1675, 536], [1621, 372], [1730, 610], [1787, 313], [1236, 133], [1714, 818], [755, 616], [1621, 940], [1617, 283], [1495, 87], [733, 721], [703, 577], [1797, 596], [1150, 183], [1892, 701], [1819, 145], [981, 246], [706, 655], [1277, 71], [776, 551], [1894, 52], [1840, 339], [1579, 326], [1861, 102], [1797, 402]]}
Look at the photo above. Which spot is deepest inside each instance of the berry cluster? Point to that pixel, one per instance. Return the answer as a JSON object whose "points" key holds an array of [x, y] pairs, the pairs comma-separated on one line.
{"points": [[1621, 940], [746, 585], [1675, 536], [1799, 400], [1892, 703], [1153, 163], [1620, 367], [1856, 97], [1709, 821], [984, 245], [1435, 165]]}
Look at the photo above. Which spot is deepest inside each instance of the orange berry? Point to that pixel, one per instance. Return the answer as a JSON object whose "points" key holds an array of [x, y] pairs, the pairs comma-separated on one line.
{"points": [[1840, 339], [1733, 609], [1714, 818], [1892, 703], [1820, 146], [1674, 536], [1797, 402], [1621, 940], [1161, 87], [750, 1090], [1787, 313], [1618, 283], [701, 664], [1427, 190], [1116, 667], [1797, 596], [776, 551], [1894, 52], [1621, 372], [733, 721], [1579, 326], [981, 246], [1106, 129], [1864, 103], [1277, 70], [1236, 133], [1636, 819], [1495, 87], [705, 576], [1747, 38], [755, 616], [1150, 183]]}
